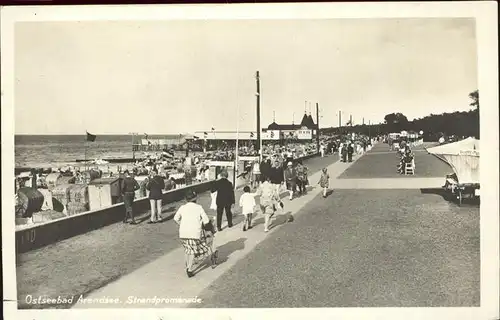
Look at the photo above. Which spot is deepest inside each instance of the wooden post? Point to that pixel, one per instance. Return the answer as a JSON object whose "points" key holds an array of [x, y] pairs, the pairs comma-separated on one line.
{"points": [[259, 138], [85, 154], [317, 126], [340, 122], [237, 146], [133, 147]]}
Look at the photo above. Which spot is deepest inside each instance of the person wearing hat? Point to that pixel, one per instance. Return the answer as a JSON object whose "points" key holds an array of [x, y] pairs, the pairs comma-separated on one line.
{"points": [[129, 186], [191, 217], [291, 179], [224, 200]]}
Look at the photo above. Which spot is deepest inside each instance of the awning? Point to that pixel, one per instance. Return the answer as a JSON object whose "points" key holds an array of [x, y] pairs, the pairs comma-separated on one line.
{"points": [[463, 157]]}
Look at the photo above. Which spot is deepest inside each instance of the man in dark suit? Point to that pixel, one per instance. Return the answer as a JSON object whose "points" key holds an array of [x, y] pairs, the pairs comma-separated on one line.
{"points": [[265, 167], [129, 186], [155, 185], [225, 199]]}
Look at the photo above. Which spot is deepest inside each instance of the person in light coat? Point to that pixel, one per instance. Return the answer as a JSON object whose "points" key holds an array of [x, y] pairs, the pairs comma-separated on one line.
{"points": [[191, 217], [269, 199]]}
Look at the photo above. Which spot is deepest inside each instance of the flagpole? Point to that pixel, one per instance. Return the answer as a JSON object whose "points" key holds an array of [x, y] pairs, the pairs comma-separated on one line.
{"points": [[259, 130], [85, 148], [236, 151]]}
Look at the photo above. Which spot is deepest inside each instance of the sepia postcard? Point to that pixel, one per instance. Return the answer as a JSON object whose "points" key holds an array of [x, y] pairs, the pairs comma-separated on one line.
{"points": [[243, 161]]}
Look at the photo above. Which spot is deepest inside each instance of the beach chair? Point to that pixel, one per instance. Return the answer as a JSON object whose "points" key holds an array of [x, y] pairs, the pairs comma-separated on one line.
{"points": [[410, 167]]}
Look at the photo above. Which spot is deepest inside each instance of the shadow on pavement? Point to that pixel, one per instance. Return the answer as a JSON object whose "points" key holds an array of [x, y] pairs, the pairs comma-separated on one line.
{"points": [[447, 196], [228, 248], [437, 191], [278, 219]]}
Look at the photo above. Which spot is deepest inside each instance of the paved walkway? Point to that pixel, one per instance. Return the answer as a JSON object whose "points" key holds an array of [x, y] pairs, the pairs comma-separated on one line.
{"points": [[388, 183], [87, 262], [166, 277]]}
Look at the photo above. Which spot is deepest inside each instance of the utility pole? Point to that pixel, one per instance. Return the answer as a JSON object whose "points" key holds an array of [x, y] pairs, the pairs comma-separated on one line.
{"points": [[317, 126], [133, 145], [236, 162], [340, 122], [258, 148]]}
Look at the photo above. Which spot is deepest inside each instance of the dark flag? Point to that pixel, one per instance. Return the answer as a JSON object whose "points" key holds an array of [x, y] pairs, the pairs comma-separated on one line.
{"points": [[91, 137], [213, 129]]}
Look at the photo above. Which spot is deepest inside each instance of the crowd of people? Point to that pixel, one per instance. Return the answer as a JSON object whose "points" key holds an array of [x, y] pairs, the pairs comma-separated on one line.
{"points": [[197, 231], [279, 170]]}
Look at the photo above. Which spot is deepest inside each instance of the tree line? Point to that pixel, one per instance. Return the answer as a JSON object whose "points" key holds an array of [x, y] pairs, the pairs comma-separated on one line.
{"points": [[461, 124]]}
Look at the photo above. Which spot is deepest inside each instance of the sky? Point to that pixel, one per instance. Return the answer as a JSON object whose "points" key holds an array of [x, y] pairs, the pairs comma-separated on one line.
{"points": [[162, 77]]}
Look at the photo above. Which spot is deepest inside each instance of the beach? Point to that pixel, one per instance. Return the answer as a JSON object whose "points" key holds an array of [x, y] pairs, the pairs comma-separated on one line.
{"points": [[45, 151]]}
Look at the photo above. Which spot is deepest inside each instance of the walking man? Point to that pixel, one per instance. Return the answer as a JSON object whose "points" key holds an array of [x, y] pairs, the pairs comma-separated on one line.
{"points": [[277, 175], [350, 151], [224, 201], [255, 174], [155, 187], [291, 179], [301, 177], [129, 186], [265, 168]]}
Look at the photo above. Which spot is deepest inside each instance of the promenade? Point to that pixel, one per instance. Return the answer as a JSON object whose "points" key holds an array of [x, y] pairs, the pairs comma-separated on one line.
{"points": [[378, 240], [84, 263]]}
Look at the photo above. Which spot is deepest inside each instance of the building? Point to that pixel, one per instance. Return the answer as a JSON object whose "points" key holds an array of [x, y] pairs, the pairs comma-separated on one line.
{"points": [[274, 132], [303, 131]]}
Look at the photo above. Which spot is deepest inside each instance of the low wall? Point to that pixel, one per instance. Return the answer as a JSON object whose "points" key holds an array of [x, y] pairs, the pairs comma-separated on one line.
{"points": [[43, 234], [39, 235]]}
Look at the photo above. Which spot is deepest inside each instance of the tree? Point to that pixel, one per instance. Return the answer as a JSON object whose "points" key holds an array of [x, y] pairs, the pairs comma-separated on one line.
{"points": [[396, 122], [474, 96]]}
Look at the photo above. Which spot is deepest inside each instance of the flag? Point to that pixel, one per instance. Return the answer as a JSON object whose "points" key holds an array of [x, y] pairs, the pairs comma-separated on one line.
{"points": [[146, 136], [91, 137], [213, 129], [195, 138], [251, 134]]}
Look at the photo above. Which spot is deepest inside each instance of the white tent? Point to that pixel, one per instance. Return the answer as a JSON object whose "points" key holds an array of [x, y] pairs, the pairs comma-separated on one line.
{"points": [[463, 157]]}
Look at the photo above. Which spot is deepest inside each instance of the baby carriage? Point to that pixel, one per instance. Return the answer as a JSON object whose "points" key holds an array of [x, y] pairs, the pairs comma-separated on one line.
{"points": [[208, 235], [463, 157]]}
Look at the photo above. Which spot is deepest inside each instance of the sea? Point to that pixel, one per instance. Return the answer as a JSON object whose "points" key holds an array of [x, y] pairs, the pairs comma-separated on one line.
{"points": [[54, 151]]}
